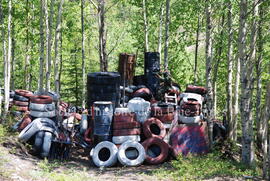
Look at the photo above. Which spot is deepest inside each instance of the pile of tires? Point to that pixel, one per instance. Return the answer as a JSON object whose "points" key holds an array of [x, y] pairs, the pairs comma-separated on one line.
{"points": [[190, 108], [42, 107], [156, 150], [106, 154], [103, 116], [151, 68], [21, 100], [140, 107], [103, 86], [164, 112], [125, 126]]}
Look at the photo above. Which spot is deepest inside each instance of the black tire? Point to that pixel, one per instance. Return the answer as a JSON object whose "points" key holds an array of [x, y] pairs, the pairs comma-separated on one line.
{"points": [[102, 78], [104, 97], [20, 98], [94, 88], [39, 141], [46, 146]]}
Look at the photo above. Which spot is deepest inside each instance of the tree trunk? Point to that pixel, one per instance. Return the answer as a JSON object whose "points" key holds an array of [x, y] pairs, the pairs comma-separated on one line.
{"points": [[196, 50], [27, 57], [4, 46], [61, 57], [49, 44], [41, 51], [230, 73], [83, 54], [160, 31], [13, 60], [166, 59], [8, 60], [102, 36], [246, 78], [266, 118], [208, 53], [57, 56], [215, 71], [146, 43], [259, 118]]}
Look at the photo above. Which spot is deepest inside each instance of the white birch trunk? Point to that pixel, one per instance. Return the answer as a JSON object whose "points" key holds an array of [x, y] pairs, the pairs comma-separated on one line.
{"points": [[208, 75], [27, 56], [166, 58], [146, 43], [49, 45], [230, 73], [160, 31], [13, 60], [196, 49], [8, 60], [246, 78], [57, 57], [259, 113], [83, 54], [41, 50], [4, 48], [266, 118], [102, 36]]}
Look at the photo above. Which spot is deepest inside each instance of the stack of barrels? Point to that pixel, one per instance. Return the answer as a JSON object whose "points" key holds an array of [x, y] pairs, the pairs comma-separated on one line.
{"points": [[151, 68], [103, 115], [103, 86], [125, 126]]}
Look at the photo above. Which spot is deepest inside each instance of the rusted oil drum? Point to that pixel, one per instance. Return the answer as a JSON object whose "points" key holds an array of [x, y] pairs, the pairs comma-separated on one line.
{"points": [[126, 67]]}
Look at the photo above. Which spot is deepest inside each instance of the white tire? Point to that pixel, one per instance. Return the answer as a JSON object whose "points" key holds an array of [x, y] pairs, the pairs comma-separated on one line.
{"points": [[189, 120], [39, 114], [42, 107], [118, 140], [110, 160], [167, 126], [131, 159]]}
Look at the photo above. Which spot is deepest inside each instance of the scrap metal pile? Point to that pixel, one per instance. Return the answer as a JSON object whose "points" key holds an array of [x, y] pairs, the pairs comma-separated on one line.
{"points": [[130, 119]]}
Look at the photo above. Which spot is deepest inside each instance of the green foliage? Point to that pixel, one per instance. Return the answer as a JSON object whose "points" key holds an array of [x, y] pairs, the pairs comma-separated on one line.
{"points": [[205, 167]]}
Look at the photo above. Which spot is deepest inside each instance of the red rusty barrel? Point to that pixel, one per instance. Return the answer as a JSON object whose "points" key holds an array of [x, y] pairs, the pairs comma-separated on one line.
{"points": [[126, 67]]}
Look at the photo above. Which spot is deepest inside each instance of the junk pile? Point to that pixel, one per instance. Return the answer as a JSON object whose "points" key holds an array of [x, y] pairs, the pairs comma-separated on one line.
{"points": [[153, 121], [130, 119]]}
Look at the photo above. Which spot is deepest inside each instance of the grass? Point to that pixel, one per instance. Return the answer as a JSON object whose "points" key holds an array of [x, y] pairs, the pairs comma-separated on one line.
{"points": [[205, 167]]}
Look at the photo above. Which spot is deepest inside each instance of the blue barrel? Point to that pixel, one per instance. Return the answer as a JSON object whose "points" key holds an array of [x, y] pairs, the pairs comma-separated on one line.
{"points": [[103, 116]]}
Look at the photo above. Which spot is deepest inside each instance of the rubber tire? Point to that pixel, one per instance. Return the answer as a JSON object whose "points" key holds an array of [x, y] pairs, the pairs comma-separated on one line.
{"points": [[22, 108], [20, 98], [126, 125], [39, 141], [113, 154], [166, 118], [20, 103], [24, 93], [121, 139], [147, 131], [100, 89], [39, 114], [41, 107], [126, 132], [102, 78], [196, 89], [129, 117], [164, 147], [42, 99], [123, 158], [25, 121], [46, 146]]}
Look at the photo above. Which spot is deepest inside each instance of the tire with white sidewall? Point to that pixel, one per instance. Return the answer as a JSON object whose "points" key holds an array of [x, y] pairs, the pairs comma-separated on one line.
{"points": [[113, 154], [121, 139], [123, 158]]}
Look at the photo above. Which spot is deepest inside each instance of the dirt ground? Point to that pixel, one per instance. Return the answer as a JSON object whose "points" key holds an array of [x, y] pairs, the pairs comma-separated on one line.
{"points": [[16, 164]]}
